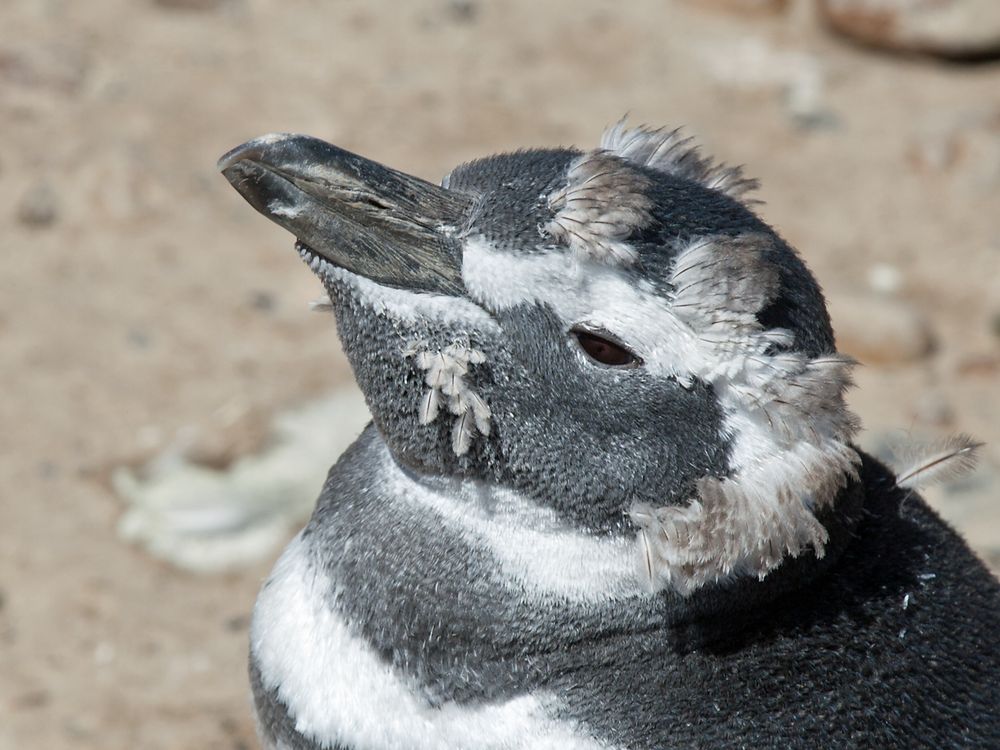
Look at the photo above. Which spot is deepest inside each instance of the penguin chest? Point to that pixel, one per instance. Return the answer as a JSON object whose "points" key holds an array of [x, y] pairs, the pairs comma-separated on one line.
{"points": [[318, 684]]}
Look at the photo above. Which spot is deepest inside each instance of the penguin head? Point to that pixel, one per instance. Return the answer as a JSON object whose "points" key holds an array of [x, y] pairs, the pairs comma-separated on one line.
{"points": [[611, 333]]}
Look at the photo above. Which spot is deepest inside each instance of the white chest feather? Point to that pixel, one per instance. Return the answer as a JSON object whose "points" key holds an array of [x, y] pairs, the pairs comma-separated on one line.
{"points": [[338, 691], [537, 555]]}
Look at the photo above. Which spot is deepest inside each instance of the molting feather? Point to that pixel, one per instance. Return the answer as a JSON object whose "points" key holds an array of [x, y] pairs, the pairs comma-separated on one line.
{"points": [[671, 152], [604, 201], [947, 459], [784, 412], [445, 371], [744, 524]]}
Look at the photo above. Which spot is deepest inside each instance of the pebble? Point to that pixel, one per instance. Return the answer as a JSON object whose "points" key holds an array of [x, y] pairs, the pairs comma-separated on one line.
{"points": [[946, 28], [747, 6], [262, 300], [138, 338], [48, 470], [237, 623], [104, 654], [30, 699], [463, 11], [189, 4], [982, 365], [885, 279], [879, 331], [38, 207]]}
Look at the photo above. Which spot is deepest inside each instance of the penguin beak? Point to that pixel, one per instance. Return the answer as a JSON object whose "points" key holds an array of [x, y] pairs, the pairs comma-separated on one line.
{"points": [[392, 228]]}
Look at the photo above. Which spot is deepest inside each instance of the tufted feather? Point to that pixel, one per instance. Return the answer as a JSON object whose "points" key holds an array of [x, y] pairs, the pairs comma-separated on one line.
{"points": [[671, 152], [604, 201]]}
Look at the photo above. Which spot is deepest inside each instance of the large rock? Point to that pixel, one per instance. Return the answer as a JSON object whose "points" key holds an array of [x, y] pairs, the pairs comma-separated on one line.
{"points": [[949, 28], [216, 511]]}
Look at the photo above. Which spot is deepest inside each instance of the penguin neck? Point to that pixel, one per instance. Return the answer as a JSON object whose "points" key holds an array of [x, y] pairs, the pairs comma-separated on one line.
{"points": [[725, 610], [467, 536]]}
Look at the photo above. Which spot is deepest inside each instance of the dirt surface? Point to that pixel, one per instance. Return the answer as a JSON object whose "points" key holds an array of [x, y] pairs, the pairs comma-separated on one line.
{"points": [[141, 299]]}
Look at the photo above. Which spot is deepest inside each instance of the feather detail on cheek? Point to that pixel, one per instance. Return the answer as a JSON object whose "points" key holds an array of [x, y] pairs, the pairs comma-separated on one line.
{"points": [[784, 415], [445, 371]]}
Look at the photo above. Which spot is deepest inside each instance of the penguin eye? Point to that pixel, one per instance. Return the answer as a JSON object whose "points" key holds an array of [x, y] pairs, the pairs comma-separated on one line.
{"points": [[602, 349]]}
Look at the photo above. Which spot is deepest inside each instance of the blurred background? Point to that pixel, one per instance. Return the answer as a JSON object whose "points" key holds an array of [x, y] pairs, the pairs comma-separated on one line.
{"points": [[161, 369]]}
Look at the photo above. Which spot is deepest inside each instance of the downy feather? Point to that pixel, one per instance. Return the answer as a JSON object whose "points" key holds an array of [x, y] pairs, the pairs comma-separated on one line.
{"points": [[462, 433], [937, 462], [430, 405]]}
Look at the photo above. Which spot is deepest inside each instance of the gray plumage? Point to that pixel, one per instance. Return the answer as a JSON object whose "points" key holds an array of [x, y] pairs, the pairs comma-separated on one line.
{"points": [[609, 497]]}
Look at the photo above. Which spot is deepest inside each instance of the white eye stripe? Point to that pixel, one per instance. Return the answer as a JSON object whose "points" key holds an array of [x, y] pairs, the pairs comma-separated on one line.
{"points": [[602, 296]]}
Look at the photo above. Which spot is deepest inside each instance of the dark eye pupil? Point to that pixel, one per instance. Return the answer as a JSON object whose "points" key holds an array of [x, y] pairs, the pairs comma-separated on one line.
{"points": [[604, 351]]}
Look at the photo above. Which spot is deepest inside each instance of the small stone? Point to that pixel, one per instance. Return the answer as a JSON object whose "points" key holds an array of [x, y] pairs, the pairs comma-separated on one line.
{"points": [[885, 279], [138, 338], [979, 365], [189, 4], [38, 207], [946, 28], [879, 331], [262, 300], [104, 654], [463, 11], [237, 623], [33, 699], [749, 7], [81, 728]]}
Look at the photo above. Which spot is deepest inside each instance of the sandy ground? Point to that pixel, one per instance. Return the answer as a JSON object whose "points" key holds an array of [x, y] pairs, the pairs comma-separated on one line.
{"points": [[141, 299]]}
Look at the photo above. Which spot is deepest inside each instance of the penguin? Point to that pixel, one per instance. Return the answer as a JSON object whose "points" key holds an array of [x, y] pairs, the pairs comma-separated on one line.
{"points": [[610, 495]]}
